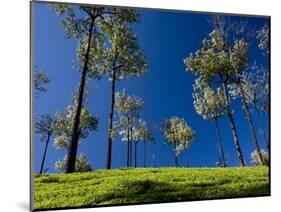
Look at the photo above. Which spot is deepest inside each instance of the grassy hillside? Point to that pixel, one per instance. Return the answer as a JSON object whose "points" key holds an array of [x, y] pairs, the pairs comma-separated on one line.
{"points": [[132, 186]]}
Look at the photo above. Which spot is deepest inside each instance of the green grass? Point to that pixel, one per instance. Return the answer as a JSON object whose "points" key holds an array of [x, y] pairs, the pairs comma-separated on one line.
{"points": [[133, 186]]}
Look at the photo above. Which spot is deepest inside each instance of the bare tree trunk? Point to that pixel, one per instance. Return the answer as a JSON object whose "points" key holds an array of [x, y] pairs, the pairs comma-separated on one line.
{"points": [[109, 144], [136, 154], [128, 144], [261, 127], [186, 158], [176, 158], [131, 147], [144, 154], [251, 124], [232, 125], [220, 143], [45, 152], [71, 156]]}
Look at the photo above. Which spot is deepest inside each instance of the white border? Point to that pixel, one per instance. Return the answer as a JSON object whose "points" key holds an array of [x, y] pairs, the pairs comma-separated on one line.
{"points": [[14, 105]]}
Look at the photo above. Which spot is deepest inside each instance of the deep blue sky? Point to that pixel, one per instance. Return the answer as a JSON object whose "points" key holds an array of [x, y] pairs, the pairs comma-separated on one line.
{"points": [[166, 39]]}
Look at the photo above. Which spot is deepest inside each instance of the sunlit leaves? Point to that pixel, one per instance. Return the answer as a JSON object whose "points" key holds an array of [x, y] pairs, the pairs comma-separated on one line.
{"points": [[208, 102], [263, 38], [255, 159], [40, 81], [177, 132], [81, 164]]}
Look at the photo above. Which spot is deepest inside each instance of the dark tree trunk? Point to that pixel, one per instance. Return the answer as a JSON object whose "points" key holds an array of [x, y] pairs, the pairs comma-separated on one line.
{"points": [[71, 156], [128, 144], [44, 154], [220, 143], [261, 127], [232, 125], [176, 158], [144, 154], [109, 144], [186, 158], [136, 154], [251, 124], [131, 147]]}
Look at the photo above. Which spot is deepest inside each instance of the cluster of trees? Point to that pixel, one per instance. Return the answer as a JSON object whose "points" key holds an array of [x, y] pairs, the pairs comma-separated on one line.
{"points": [[222, 70], [107, 47]]}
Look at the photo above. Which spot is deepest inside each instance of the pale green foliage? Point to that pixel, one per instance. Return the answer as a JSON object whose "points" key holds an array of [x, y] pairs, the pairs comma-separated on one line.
{"points": [[44, 126], [141, 132], [81, 164], [176, 132], [218, 58], [208, 102], [128, 109], [64, 123], [254, 82], [263, 38], [124, 55], [256, 159], [40, 81], [112, 41], [128, 106]]}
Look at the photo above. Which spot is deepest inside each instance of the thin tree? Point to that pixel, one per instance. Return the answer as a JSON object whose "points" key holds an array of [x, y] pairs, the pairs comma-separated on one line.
{"points": [[64, 122], [216, 63], [210, 104], [86, 24], [176, 132], [141, 133], [254, 82], [44, 127], [128, 109], [124, 59]]}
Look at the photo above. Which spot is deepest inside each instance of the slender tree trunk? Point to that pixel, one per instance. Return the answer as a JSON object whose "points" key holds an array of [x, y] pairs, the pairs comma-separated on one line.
{"points": [[176, 158], [45, 152], [131, 147], [128, 144], [144, 154], [261, 127], [109, 144], [232, 125], [220, 143], [251, 124], [186, 158], [71, 156], [136, 154]]}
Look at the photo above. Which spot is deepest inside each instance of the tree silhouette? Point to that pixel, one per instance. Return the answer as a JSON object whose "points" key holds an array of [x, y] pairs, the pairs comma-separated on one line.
{"points": [[44, 127]]}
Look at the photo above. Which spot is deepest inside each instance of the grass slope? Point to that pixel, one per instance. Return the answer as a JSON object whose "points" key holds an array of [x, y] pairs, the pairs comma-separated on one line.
{"points": [[132, 186]]}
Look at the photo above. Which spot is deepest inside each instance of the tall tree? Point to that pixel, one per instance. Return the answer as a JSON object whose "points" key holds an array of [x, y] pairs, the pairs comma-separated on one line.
{"points": [[128, 109], [254, 82], [210, 104], [64, 122], [177, 133], [221, 61], [86, 24], [124, 59], [141, 132], [44, 127]]}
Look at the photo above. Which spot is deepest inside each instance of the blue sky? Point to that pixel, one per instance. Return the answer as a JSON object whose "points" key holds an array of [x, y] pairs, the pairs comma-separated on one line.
{"points": [[166, 38]]}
